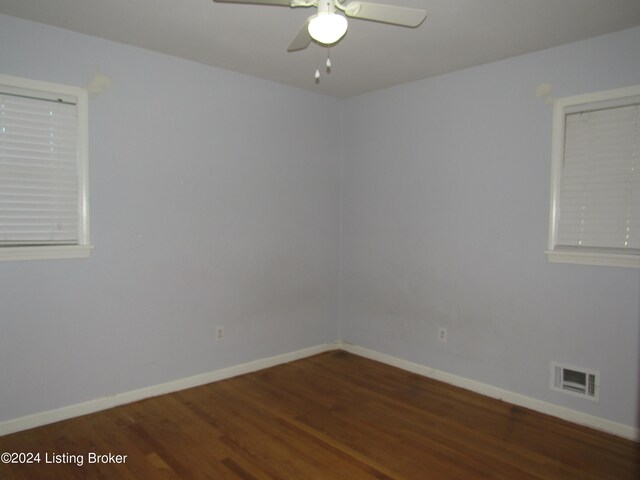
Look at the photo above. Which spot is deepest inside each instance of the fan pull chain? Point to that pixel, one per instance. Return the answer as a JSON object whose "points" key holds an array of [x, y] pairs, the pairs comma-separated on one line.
{"points": [[317, 74], [327, 64]]}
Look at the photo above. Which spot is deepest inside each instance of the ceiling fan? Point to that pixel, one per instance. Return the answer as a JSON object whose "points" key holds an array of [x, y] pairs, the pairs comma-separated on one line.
{"points": [[327, 27]]}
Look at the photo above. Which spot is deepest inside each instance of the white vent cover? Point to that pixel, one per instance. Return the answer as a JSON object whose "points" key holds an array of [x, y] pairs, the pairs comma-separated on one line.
{"points": [[575, 381]]}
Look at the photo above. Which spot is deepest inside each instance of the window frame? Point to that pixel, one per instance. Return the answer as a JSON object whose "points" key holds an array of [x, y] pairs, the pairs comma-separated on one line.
{"points": [[577, 254], [83, 248]]}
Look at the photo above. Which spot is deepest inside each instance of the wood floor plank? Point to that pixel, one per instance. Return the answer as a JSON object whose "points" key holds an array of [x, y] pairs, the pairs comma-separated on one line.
{"points": [[566, 443], [313, 458], [332, 416], [444, 430]]}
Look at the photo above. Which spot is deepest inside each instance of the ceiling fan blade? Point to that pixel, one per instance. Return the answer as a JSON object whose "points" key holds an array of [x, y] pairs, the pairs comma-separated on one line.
{"points": [[407, 17], [284, 3], [303, 39]]}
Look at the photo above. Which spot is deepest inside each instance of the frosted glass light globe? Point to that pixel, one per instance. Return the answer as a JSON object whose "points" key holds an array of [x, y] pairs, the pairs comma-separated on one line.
{"points": [[327, 28]]}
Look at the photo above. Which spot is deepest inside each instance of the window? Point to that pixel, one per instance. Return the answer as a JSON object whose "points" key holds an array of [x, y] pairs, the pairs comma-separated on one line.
{"points": [[43, 170], [595, 187]]}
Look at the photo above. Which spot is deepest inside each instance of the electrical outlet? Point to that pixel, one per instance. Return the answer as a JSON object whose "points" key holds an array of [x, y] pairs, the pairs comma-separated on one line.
{"points": [[219, 333], [442, 335]]}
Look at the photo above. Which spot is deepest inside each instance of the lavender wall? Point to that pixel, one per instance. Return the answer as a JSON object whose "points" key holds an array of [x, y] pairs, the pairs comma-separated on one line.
{"points": [[446, 197], [212, 203]]}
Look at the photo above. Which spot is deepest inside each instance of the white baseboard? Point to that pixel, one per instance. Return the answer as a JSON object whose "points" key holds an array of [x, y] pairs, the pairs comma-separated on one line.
{"points": [[51, 416], [568, 414]]}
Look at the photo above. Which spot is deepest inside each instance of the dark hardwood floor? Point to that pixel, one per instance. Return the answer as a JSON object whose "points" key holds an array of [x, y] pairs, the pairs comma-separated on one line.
{"points": [[331, 416]]}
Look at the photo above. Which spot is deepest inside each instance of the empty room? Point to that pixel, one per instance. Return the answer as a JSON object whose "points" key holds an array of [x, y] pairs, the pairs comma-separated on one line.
{"points": [[276, 239]]}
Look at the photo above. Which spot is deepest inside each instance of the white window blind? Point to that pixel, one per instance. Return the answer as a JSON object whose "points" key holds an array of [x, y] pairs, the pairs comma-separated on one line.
{"points": [[42, 172], [600, 199], [595, 212]]}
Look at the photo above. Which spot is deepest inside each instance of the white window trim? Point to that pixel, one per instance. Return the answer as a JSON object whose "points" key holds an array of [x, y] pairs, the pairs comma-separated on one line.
{"points": [[83, 249], [580, 255], [45, 253]]}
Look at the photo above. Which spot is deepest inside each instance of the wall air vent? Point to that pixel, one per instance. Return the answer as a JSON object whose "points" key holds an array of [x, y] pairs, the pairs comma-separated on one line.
{"points": [[575, 381]]}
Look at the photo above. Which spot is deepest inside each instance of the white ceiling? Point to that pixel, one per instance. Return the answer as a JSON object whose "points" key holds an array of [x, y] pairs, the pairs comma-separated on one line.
{"points": [[253, 39]]}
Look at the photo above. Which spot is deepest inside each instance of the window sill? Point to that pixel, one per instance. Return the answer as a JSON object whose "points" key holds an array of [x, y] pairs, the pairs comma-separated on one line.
{"points": [[607, 259], [45, 253]]}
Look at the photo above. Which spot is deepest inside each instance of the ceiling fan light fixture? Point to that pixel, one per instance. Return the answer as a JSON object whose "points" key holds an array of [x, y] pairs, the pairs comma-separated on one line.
{"points": [[327, 28]]}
